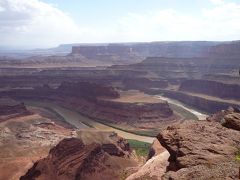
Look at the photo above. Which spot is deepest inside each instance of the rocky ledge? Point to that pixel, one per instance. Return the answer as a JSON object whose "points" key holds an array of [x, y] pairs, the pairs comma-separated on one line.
{"points": [[74, 159], [229, 118], [202, 149]]}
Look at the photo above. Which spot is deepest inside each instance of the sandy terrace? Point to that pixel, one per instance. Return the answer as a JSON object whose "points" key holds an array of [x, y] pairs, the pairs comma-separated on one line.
{"points": [[134, 96]]}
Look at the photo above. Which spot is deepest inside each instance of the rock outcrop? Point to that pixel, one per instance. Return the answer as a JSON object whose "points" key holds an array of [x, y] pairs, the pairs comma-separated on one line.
{"points": [[27, 138], [229, 118], [10, 108], [72, 159], [201, 150], [156, 149]]}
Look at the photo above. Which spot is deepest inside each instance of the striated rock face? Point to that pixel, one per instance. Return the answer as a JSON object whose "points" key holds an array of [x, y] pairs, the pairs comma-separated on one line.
{"points": [[10, 108], [200, 102], [89, 91], [143, 83], [212, 88], [92, 51], [134, 111], [112, 53], [201, 150], [178, 67], [161, 49], [72, 159], [230, 49], [65, 161]]}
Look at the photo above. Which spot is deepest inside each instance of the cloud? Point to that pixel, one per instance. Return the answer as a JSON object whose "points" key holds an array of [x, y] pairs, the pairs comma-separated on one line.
{"points": [[161, 25], [220, 22], [217, 2], [34, 23]]}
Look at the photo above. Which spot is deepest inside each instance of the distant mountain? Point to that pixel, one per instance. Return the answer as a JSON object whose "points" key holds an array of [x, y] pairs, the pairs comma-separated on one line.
{"points": [[61, 50], [106, 54]]}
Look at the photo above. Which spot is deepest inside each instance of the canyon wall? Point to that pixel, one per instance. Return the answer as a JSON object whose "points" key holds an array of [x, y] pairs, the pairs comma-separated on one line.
{"points": [[188, 68], [10, 108], [204, 104], [160, 49], [212, 88], [227, 49], [97, 101]]}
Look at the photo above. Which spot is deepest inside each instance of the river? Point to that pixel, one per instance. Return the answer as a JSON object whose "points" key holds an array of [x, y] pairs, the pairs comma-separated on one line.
{"points": [[200, 116], [81, 122]]}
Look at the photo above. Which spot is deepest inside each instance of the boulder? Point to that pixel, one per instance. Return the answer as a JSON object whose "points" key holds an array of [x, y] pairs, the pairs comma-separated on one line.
{"points": [[201, 150], [229, 118]]}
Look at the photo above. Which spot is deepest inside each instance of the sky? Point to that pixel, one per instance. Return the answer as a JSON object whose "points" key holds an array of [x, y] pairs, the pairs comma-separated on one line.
{"points": [[48, 23]]}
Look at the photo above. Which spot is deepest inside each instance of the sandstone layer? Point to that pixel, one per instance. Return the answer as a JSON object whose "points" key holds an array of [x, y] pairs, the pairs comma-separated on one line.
{"points": [[207, 104], [212, 88], [102, 103], [72, 159], [25, 139], [201, 150], [10, 108]]}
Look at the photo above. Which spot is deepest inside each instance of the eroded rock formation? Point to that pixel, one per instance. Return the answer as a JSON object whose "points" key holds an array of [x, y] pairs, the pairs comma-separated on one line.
{"points": [[101, 102], [10, 108], [229, 118], [72, 159], [201, 150]]}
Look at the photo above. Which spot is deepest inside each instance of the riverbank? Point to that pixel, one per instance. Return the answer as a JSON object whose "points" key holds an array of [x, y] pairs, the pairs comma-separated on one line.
{"points": [[83, 122], [199, 115]]}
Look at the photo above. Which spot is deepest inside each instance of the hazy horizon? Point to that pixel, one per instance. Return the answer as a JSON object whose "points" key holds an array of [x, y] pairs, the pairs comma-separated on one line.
{"points": [[30, 24]]}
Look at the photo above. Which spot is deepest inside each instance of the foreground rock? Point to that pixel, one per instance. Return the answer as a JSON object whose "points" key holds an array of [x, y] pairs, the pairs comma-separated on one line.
{"points": [[229, 118], [25, 139], [72, 159], [156, 164], [201, 150]]}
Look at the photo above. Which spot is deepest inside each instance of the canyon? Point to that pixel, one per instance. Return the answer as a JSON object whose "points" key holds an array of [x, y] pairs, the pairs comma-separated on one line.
{"points": [[179, 152], [131, 110], [157, 110]]}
